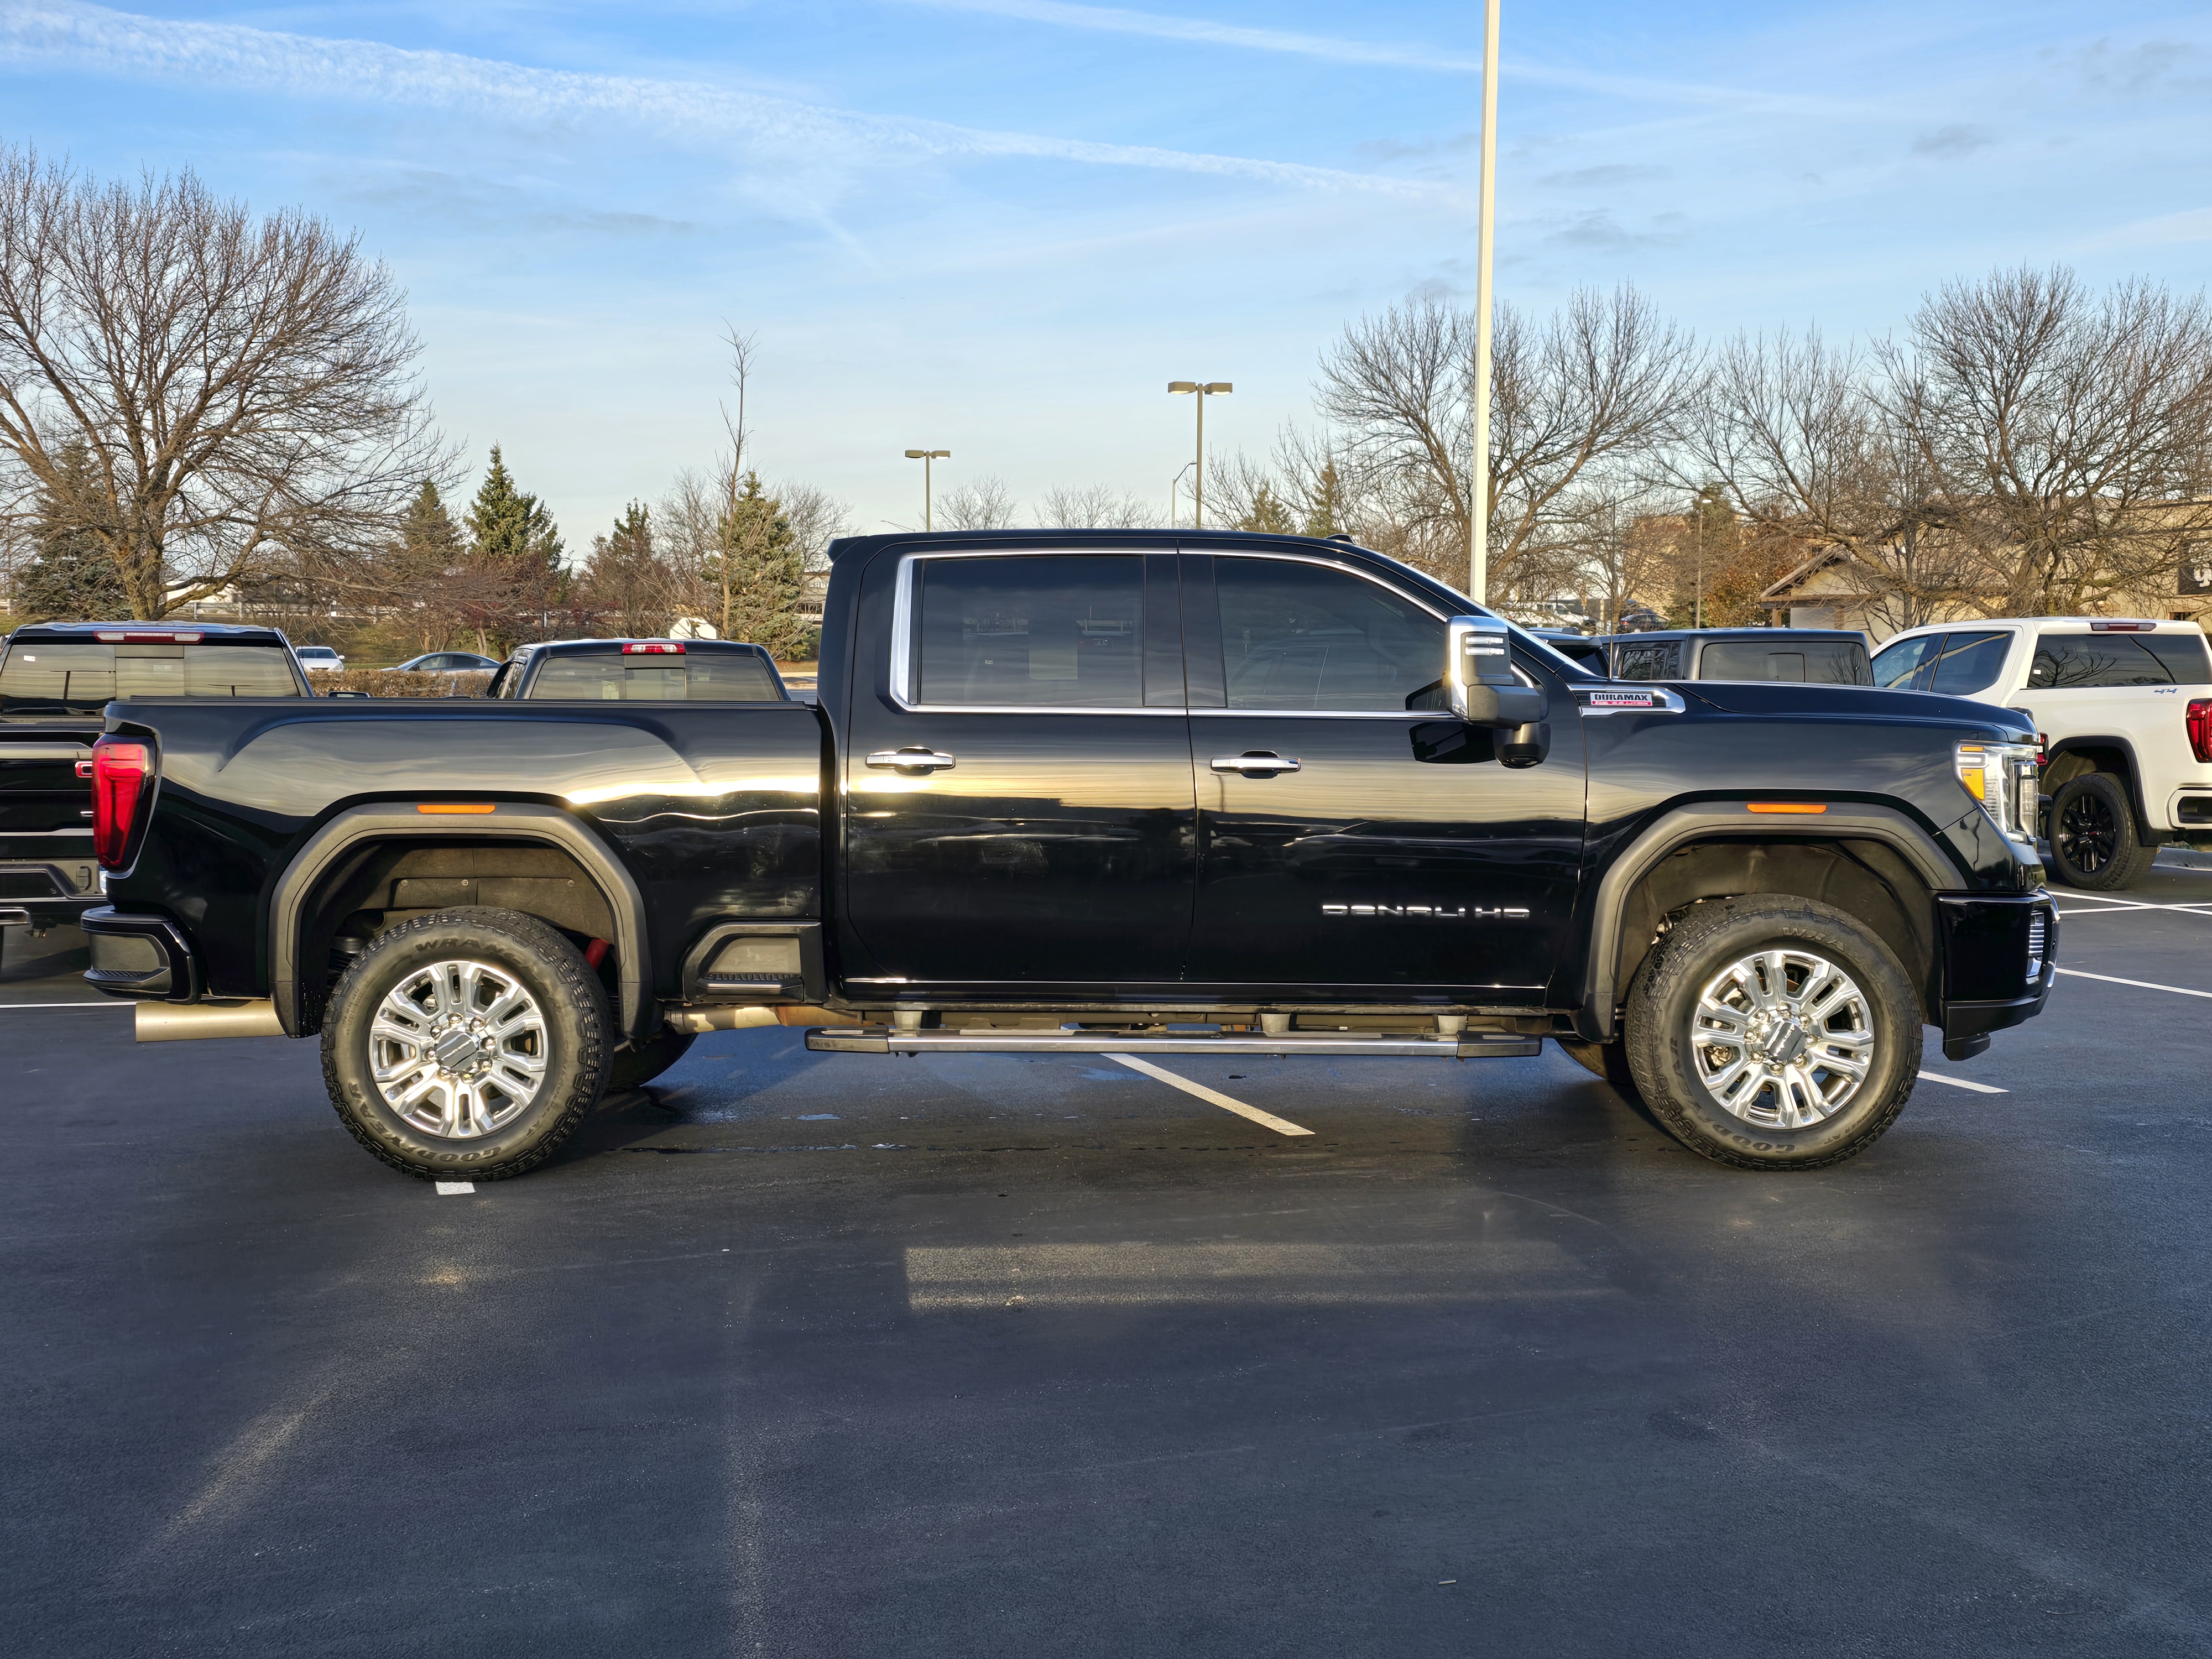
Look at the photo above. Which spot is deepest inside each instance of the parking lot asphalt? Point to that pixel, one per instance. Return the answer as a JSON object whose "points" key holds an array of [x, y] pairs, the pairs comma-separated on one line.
{"points": [[801, 1354]]}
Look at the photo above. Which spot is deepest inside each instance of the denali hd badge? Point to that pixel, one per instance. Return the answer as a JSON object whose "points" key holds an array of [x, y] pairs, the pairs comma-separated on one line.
{"points": [[1424, 912], [1621, 700]]}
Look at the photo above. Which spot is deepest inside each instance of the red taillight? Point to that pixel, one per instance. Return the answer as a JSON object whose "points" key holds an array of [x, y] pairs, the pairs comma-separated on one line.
{"points": [[2200, 728], [652, 648], [121, 775]]}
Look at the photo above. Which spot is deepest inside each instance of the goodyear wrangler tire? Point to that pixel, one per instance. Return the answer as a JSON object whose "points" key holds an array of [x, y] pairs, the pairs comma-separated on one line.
{"points": [[1773, 1033], [467, 1044]]}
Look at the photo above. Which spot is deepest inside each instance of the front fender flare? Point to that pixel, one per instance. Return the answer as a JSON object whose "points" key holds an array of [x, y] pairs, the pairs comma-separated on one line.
{"points": [[1711, 821]]}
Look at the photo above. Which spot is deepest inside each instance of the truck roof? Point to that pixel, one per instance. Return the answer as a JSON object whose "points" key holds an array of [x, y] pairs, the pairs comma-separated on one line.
{"points": [[151, 633]]}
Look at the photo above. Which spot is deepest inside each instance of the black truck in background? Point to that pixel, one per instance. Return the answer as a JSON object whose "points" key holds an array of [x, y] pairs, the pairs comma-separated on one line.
{"points": [[56, 682], [1150, 792]]}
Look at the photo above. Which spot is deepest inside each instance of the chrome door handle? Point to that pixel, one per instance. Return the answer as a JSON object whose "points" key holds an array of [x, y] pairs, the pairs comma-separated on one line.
{"points": [[912, 762], [1256, 763]]}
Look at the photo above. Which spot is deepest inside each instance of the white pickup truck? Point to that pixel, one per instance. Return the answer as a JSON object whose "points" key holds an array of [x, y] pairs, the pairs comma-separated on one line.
{"points": [[2123, 708]]}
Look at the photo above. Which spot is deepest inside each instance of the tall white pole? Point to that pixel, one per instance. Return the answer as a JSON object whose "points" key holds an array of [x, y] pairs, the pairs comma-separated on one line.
{"points": [[1478, 536]]}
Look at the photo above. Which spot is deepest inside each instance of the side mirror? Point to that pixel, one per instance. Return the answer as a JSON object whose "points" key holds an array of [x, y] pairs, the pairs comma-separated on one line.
{"points": [[1479, 675]]}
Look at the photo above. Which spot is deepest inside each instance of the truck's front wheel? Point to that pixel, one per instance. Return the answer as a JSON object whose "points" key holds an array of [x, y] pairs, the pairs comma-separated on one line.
{"points": [[1773, 1033], [466, 1044]]}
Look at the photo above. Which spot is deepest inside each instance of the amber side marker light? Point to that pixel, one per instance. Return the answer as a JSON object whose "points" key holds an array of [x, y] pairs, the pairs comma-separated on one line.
{"points": [[455, 806], [1809, 807]]}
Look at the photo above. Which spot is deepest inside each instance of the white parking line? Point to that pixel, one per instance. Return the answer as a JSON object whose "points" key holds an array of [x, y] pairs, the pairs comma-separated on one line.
{"points": [[447, 1188], [8, 1007], [1281, 1125], [2140, 984], [1961, 1082], [2195, 907]]}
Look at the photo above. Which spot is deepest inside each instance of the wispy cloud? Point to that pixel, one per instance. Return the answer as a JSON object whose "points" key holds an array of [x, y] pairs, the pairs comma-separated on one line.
{"points": [[1952, 142], [1603, 177], [2191, 225], [54, 33], [1198, 31]]}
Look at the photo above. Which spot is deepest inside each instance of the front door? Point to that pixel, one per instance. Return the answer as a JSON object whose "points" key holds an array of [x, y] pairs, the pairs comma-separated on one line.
{"points": [[1351, 834], [1019, 801]]}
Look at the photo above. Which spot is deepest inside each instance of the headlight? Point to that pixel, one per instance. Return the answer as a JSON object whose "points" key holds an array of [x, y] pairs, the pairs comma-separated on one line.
{"points": [[2002, 776]]}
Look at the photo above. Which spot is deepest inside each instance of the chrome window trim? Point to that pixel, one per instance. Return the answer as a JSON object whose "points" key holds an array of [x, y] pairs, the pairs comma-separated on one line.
{"points": [[903, 665]]}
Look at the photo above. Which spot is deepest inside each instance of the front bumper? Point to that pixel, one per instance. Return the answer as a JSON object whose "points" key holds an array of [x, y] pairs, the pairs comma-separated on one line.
{"points": [[1998, 967]]}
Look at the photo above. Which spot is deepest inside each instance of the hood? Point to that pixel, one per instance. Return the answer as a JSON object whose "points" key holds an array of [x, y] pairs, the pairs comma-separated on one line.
{"points": [[1859, 702]]}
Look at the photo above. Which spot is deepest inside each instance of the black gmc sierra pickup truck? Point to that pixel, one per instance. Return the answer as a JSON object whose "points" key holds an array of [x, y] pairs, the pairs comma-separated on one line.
{"points": [[1153, 792]]}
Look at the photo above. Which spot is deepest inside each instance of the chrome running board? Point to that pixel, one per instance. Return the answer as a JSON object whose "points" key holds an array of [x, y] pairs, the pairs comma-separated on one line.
{"points": [[883, 1040]]}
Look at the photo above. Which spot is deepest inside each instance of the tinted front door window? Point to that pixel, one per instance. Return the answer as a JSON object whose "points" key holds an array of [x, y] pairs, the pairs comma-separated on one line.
{"points": [[1057, 847], [1968, 663], [1304, 636], [1398, 852]]}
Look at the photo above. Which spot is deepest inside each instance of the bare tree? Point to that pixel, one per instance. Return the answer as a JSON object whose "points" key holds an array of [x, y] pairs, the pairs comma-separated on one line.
{"points": [[1817, 447], [1603, 383], [1100, 506], [817, 517], [985, 503], [243, 388], [2063, 435]]}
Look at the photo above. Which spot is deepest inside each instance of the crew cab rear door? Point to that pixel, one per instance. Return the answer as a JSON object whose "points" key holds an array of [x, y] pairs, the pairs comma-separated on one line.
{"points": [[1018, 798], [1351, 834]]}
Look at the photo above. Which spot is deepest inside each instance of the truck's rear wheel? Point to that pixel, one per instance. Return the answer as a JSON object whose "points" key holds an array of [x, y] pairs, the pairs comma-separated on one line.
{"points": [[469, 1042], [1773, 1033], [2094, 842]]}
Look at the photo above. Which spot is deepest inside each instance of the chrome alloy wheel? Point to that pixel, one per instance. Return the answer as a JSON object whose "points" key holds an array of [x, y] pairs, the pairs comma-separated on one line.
{"points": [[1783, 1038], [457, 1049]]}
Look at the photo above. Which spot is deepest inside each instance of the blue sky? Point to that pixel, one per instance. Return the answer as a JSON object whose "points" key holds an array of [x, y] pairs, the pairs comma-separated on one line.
{"points": [[999, 226]]}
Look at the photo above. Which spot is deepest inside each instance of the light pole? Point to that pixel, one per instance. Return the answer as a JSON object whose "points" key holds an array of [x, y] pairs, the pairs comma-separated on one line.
{"points": [[1478, 536], [926, 456], [1203, 390], [1175, 488]]}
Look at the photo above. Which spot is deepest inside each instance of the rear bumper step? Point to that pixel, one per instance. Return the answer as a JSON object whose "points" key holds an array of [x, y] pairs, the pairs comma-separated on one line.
{"points": [[882, 1039]]}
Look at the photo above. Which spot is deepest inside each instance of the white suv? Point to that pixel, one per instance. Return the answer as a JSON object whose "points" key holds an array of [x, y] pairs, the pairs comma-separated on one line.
{"points": [[2124, 710]]}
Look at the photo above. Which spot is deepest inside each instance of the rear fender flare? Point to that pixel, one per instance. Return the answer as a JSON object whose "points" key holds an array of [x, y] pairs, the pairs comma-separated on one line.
{"points": [[511, 821], [2131, 780], [1713, 821]]}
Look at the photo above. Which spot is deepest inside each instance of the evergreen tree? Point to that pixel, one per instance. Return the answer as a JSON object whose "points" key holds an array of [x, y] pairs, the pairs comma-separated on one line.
{"points": [[627, 579], [507, 526], [74, 577], [1269, 514], [514, 581], [1325, 504], [430, 541], [759, 569]]}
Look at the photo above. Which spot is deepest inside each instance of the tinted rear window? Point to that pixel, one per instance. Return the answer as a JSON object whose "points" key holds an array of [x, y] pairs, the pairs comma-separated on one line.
{"points": [[2182, 654], [2085, 662], [43, 678], [1655, 661], [1818, 662], [610, 677]]}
